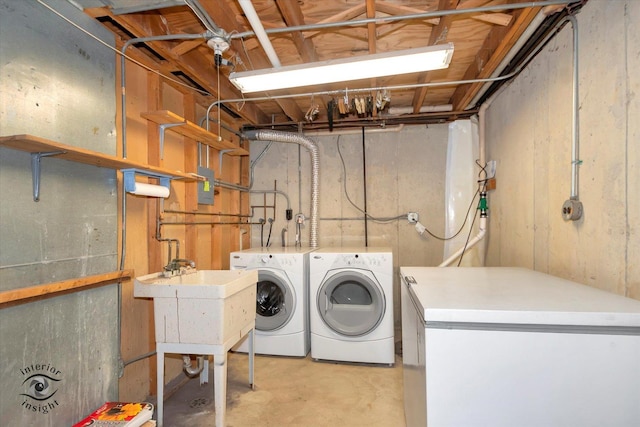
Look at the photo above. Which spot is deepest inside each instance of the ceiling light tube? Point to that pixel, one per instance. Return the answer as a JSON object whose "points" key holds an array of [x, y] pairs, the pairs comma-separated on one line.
{"points": [[343, 70]]}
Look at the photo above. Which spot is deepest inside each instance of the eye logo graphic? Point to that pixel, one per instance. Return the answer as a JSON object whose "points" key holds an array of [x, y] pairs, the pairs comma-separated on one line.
{"points": [[40, 385]]}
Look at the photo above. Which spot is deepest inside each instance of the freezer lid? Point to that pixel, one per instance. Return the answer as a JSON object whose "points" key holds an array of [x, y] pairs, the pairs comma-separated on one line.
{"points": [[513, 296]]}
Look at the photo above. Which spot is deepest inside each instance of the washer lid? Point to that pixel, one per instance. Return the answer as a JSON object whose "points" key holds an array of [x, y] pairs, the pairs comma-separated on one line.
{"points": [[350, 303], [274, 301]]}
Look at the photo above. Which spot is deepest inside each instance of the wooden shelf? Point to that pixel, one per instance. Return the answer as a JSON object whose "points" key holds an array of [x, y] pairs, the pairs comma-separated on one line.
{"points": [[34, 144], [193, 131], [50, 289]]}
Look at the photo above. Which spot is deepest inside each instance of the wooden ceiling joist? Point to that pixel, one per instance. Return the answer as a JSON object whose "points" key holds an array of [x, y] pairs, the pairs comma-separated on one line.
{"points": [[482, 39], [493, 50], [437, 33]]}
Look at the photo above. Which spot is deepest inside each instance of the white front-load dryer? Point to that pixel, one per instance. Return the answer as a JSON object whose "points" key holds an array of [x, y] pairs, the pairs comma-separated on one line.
{"points": [[282, 299], [351, 306]]}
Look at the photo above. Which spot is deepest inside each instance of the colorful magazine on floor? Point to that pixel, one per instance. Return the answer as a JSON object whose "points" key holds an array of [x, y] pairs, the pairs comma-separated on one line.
{"points": [[119, 414]]}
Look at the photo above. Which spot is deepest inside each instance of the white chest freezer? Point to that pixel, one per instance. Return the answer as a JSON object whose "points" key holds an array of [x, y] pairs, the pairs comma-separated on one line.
{"points": [[509, 347]]}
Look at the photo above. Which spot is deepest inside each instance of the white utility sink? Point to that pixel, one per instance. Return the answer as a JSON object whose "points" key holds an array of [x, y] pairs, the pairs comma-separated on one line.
{"points": [[201, 307], [201, 312]]}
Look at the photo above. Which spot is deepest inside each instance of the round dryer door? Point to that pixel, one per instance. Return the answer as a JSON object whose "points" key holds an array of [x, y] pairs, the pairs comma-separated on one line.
{"points": [[351, 303], [274, 301]]}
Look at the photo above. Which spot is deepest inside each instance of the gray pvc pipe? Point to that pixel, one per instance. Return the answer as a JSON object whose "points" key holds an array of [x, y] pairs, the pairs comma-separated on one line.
{"points": [[312, 147]]}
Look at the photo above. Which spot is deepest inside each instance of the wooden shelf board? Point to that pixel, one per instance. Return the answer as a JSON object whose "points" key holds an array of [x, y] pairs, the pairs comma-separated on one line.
{"points": [[193, 131], [49, 289], [34, 144]]}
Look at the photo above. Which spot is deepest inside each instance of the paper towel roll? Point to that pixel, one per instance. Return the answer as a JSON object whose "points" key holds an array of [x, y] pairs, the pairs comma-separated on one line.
{"points": [[152, 190]]}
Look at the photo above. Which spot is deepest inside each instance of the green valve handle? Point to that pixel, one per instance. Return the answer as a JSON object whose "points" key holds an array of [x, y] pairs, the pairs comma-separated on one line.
{"points": [[483, 204]]}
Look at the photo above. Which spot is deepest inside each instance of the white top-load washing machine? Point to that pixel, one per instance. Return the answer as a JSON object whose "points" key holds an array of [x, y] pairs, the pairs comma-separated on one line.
{"points": [[282, 299], [351, 306]]}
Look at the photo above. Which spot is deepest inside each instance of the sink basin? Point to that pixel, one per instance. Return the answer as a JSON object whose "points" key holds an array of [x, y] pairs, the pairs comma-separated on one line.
{"points": [[205, 307]]}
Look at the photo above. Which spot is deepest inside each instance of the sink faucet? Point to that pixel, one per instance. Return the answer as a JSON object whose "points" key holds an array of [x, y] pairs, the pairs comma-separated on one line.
{"points": [[178, 265]]}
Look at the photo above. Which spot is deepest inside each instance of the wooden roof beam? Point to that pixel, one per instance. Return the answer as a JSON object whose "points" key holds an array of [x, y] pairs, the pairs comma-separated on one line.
{"points": [[346, 15], [395, 10], [292, 15], [371, 27], [437, 33], [495, 47]]}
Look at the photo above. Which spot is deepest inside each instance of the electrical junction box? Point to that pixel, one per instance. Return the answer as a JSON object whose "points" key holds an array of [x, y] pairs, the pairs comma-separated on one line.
{"points": [[205, 188]]}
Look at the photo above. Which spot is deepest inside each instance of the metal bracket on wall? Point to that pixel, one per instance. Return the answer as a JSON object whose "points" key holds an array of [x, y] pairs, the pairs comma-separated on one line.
{"points": [[162, 129], [129, 176], [35, 171]]}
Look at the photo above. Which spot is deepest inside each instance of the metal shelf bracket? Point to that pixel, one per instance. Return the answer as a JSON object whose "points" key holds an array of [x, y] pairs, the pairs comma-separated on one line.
{"points": [[129, 176], [162, 129], [35, 171]]}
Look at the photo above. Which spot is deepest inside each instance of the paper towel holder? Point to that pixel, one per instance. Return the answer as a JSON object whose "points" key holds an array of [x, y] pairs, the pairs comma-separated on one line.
{"points": [[129, 176]]}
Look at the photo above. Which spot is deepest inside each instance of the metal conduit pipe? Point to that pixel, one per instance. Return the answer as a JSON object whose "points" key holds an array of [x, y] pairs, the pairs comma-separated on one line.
{"points": [[123, 93], [235, 215], [229, 185], [123, 133], [572, 209], [203, 16], [312, 147], [574, 117], [282, 193], [163, 223]]}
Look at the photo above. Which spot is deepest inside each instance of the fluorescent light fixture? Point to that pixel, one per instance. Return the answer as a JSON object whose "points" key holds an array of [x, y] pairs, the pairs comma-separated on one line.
{"points": [[342, 70]]}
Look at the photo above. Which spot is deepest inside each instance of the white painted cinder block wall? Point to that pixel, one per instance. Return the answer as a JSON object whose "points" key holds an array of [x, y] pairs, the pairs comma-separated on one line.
{"points": [[529, 135]]}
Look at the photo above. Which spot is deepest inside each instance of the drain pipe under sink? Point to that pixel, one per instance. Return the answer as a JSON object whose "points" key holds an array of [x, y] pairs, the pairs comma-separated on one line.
{"points": [[190, 370]]}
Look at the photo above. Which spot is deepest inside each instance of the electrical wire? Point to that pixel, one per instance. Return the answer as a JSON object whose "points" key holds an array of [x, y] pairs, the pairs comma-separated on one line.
{"points": [[464, 249], [482, 182], [261, 233], [270, 228], [461, 227], [346, 193]]}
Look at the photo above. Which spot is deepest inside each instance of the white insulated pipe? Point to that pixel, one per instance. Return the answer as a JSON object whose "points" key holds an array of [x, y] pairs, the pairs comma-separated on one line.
{"points": [[482, 230], [258, 29], [482, 154], [312, 147]]}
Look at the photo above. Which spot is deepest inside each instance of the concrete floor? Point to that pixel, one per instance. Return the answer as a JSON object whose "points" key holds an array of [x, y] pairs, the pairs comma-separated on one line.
{"points": [[294, 392]]}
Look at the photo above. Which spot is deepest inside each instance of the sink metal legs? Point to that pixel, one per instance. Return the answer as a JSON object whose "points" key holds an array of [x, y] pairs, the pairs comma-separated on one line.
{"points": [[219, 352]]}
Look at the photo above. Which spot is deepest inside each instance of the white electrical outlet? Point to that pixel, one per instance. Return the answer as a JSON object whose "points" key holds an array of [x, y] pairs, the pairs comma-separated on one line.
{"points": [[412, 217]]}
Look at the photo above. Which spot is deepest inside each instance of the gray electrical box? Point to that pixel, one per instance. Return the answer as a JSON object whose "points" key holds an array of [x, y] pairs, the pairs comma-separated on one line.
{"points": [[205, 188]]}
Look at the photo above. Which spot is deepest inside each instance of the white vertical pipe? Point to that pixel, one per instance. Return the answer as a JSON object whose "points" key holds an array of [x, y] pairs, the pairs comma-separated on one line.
{"points": [[482, 154], [258, 29], [482, 229]]}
